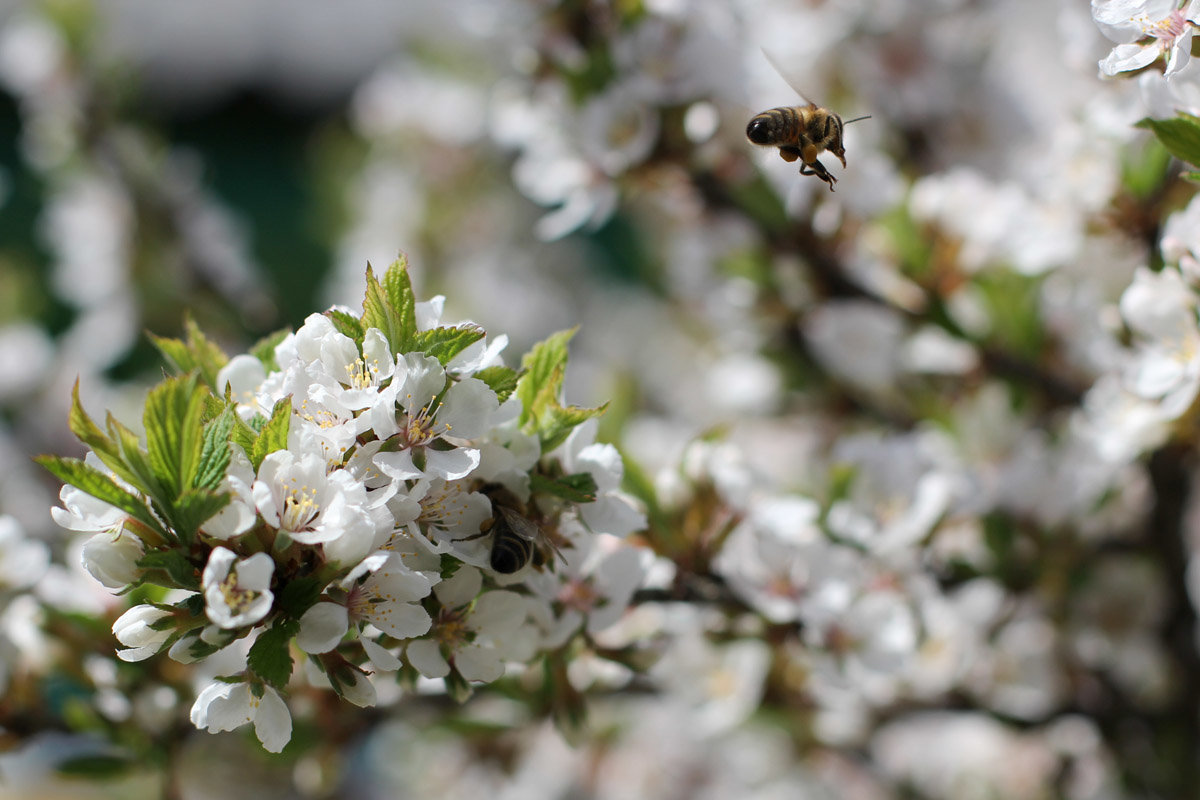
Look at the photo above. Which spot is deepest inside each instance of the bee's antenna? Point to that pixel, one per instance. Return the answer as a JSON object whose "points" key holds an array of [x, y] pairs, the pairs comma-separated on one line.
{"points": [[856, 119]]}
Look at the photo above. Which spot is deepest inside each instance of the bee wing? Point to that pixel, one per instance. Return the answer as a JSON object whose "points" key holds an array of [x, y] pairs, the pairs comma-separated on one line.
{"points": [[529, 530], [520, 525], [780, 72]]}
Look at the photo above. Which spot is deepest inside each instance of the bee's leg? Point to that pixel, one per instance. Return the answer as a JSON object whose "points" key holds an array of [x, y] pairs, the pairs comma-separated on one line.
{"points": [[789, 153], [479, 535], [818, 169]]}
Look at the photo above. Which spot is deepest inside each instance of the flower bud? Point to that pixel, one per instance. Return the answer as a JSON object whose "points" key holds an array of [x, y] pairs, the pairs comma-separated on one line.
{"points": [[135, 629], [112, 559]]}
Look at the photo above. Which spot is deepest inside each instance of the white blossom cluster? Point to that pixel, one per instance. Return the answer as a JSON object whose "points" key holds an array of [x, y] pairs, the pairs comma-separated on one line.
{"points": [[381, 508]]}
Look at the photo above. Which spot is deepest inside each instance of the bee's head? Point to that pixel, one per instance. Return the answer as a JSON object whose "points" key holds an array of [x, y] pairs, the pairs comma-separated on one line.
{"points": [[759, 130]]}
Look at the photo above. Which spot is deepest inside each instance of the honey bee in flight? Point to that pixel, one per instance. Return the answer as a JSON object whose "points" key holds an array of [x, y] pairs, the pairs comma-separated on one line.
{"points": [[801, 133]]}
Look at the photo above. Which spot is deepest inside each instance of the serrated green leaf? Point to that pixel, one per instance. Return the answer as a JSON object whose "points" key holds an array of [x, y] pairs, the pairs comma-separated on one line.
{"points": [[193, 604], [398, 287], [264, 348], [197, 649], [174, 435], [445, 343], [270, 657], [299, 594], [174, 352], [90, 434], [555, 423], [273, 435], [145, 478], [347, 324], [196, 353], [214, 406], [243, 435], [195, 507], [391, 307], [214, 454], [502, 380], [543, 368], [178, 572], [578, 487], [1180, 135], [95, 483]]}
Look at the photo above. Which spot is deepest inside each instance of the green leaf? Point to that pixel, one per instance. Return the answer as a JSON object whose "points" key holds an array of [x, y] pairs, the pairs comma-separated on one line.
{"points": [[398, 287], [540, 387], [347, 324], [195, 507], [502, 380], [274, 434], [555, 423], [197, 649], [264, 348], [142, 476], [579, 487], [102, 487], [197, 353], [270, 657], [193, 605], [445, 343], [178, 571], [174, 436], [214, 454], [243, 435], [299, 594], [1180, 135], [543, 369], [90, 434], [391, 307]]}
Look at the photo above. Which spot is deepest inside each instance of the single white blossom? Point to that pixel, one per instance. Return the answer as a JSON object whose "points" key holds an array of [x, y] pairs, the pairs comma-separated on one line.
{"points": [[472, 633], [223, 706], [1146, 30], [381, 591], [237, 591]]}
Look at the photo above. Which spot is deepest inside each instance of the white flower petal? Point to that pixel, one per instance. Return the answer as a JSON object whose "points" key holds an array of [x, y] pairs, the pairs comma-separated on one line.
{"points": [[382, 658], [322, 627], [461, 588], [426, 657], [451, 464], [497, 613], [477, 663], [272, 721], [1128, 57], [467, 409]]}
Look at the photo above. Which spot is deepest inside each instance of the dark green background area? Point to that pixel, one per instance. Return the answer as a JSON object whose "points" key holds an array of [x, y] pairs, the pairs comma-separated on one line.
{"points": [[257, 159]]}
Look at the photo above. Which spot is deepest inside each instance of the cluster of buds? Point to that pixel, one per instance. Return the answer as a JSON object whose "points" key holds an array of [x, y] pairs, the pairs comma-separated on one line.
{"points": [[375, 492]]}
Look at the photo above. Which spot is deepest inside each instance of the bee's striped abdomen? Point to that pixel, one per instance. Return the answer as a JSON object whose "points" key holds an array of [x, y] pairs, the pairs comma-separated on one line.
{"points": [[775, 126]]}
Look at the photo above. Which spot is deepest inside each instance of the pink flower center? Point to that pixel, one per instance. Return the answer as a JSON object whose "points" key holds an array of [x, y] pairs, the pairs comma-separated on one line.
{"points": [[579, 596], [1167, 29]]}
